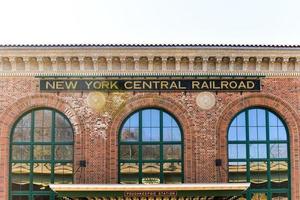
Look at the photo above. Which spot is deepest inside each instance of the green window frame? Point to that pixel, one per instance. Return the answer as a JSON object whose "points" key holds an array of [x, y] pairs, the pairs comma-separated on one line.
{"points": [[41, 153], [150, 149], [258, 152]]}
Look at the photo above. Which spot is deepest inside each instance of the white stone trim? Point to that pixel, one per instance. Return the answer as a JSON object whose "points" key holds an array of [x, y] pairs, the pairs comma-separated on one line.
{"points": [[178, 53], [145, 74]]}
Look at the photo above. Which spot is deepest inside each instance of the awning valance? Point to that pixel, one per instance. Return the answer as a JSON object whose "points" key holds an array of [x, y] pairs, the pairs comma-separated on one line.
{"points": [[137, 191]]}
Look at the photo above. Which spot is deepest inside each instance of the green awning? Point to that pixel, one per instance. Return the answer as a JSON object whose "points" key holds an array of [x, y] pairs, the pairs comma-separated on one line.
{"points": [[159, 191]]}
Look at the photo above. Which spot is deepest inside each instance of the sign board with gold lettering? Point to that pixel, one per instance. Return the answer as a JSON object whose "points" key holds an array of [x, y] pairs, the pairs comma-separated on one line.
{"points": [[54, 85]]}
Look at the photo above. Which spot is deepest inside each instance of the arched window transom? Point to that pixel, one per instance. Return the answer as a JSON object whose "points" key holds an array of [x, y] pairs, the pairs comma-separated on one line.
{"points": [[258, 152], [41, 153], [150, 148]]}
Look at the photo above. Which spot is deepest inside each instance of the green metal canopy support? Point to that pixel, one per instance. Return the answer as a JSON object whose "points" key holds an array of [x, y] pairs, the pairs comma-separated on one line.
{"points": [[155, 191]]}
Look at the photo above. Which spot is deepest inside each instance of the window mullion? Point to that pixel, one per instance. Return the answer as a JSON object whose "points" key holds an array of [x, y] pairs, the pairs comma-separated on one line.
{"points": [[247, 146], [161, 149], [31, 154], [52, 145], [140, 163], [268, 151]]}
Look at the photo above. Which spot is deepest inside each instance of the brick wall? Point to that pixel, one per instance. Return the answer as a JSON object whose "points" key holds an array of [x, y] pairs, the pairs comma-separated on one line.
{"points": [[96, 132]]}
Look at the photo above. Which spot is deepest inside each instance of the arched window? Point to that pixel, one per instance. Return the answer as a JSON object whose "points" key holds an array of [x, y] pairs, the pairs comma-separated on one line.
{"points": [[41, 153], [258, 152], [150, 148]]}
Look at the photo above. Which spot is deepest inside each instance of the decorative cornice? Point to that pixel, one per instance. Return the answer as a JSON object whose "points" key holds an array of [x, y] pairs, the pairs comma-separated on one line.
{"points": [[148, 74], [234, 46], [108, 60]]}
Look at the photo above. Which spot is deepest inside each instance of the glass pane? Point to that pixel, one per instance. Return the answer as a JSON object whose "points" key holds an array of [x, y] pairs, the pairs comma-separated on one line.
{"points": [[261, 133], [43, 118], [167, 120], [129, 168], [41, 197], [282, 135], [126, 124], [172, 167], [232, 134], [63, 135], [278, 151], [25, 121], [237, 130], [129, 173], [172, 152], [42, 152], [42, 134], [151, 173], [151, 118], [134, 120], [278, 133], [252, 117], [172, 178], [151, 134], [20, 197], [129, 152], [279, 174], [20, 152], [21, 134], [272, 119], [261, 117], [129, 179], [150, 152], [237, 172], [258, 175], [258, 151], [241, 133], [257, 133], [237, 151], [20, 176], [234, 122], [280, 124], [63, 173], [241, 120], [63, 152], [259, 196], [61, 122], [279, 196], [130, 134], [151, 168], [273, 133], [171, 134], [41, 176], [172, 172], [253, 133], [155, 118], [146, 114]]}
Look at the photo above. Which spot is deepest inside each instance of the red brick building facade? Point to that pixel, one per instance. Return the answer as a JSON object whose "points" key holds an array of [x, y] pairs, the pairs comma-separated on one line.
{"points": [[204, 130]]}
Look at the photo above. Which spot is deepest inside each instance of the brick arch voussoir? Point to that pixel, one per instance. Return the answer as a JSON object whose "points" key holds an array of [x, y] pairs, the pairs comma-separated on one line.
{"points": [[281, 107], [276, 104], [16, 109], [140, 102]]}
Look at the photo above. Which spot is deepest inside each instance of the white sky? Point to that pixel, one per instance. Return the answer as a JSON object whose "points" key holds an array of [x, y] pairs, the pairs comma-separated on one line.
{"points": [[149, 21]]}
